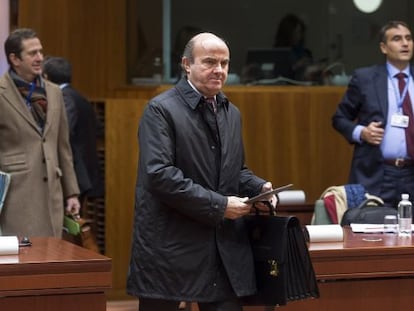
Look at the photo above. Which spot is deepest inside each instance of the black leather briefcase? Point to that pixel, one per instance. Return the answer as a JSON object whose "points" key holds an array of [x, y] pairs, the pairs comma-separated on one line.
{"points": [[284, 271]]}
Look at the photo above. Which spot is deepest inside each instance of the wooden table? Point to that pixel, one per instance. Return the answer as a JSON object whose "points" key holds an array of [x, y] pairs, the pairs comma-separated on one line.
{"points": [[366, 272], [54, 275]]}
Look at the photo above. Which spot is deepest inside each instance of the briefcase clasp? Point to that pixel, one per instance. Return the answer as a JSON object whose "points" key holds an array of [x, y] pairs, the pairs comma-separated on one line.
{"points": [[274, 271]]}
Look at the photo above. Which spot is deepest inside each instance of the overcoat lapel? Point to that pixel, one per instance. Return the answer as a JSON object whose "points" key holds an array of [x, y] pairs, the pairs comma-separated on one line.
{"points": [[12, 95]]}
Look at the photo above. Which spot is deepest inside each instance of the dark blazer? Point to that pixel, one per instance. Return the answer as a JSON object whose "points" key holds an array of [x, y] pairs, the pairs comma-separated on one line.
{"points": [[365, 101], [82, 123]]}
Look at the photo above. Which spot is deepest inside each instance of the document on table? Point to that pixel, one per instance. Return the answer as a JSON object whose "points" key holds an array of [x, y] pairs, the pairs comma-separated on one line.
{"points": [[370, 228], [262, 196]]}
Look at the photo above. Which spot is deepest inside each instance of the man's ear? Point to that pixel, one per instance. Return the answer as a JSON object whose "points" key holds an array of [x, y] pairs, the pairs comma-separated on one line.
{"points": [[185, 64], [14, 59], [383, 48]]}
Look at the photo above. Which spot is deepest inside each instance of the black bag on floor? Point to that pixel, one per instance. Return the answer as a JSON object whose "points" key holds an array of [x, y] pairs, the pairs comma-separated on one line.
{"points": [[284, 271]]}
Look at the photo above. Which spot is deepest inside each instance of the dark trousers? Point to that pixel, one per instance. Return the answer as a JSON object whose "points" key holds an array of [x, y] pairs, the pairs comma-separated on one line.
{"points": [[146, 304], [397, 181]]}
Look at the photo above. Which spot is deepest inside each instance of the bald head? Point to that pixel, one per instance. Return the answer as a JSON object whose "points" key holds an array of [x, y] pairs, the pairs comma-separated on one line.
{"points": [[205, 62], [202, 40], [208, 37]]}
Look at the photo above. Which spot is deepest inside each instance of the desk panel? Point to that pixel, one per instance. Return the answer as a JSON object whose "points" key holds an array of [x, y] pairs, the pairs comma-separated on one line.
{"points": [[357, 295], [365, 272], [54, 274], [373, 272]]}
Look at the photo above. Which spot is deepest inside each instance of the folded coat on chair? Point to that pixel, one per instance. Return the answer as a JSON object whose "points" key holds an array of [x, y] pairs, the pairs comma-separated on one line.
{"points": [[337, 199]]}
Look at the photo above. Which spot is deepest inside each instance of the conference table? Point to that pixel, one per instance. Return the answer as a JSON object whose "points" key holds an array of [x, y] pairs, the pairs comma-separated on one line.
{"points": [[54, 274], [369, 272], [366, 271]]}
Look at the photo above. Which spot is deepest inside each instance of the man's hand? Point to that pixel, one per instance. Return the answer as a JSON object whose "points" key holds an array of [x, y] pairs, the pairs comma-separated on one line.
{"points": [[262, 205], [236, 207], [373, 133], [72, 206], [272, 199]]}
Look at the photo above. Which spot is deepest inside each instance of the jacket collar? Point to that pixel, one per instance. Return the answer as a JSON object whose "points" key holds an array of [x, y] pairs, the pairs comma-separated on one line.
{"points": [[193, 98], [11, 94]]}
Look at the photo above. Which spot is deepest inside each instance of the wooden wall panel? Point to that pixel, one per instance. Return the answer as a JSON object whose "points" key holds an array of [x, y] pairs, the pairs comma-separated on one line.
{"points": [[289, 138], [145, 92], [91, 34], [121, 159]]}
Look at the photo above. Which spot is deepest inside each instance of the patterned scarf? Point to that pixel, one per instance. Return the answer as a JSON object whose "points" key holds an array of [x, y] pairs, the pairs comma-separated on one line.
{"points": [[34, 95]]}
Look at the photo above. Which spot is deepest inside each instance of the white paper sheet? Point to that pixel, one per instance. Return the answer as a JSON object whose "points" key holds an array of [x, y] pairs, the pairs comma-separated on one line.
{"points": [[9, 245], [325, 233], [370, 228]]}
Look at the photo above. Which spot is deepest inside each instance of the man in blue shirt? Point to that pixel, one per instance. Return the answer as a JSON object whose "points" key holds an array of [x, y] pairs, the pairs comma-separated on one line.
{"points": [[372, 117]]}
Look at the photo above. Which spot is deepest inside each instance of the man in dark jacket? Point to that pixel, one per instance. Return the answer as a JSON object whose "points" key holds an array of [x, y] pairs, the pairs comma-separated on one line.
{"points": [[372, 117], [82, 125], [189, 241]]}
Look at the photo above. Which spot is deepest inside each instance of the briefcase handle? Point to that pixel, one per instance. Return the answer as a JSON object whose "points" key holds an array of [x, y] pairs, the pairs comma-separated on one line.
{"points": [[272, 209]]}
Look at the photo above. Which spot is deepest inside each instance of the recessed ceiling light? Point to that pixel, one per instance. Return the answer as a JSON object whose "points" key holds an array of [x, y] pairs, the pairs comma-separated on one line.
{"points": [[367, 6]]}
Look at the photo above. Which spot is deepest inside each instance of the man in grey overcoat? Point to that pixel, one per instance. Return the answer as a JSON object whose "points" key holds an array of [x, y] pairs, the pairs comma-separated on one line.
{"points": [[34, 144]]}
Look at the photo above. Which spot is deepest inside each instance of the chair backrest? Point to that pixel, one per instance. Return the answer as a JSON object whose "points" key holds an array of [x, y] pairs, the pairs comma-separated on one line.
{"points": [[320, 215], [335, 201]]}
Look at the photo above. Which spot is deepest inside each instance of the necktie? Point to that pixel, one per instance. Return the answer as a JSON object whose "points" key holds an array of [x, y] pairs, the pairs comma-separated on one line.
{"points": [[212, 102], [408, 111]]}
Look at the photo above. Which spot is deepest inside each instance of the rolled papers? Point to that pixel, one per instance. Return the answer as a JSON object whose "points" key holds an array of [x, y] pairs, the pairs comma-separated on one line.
{"points": [[291, 197], [9, 245], [324, 233]]}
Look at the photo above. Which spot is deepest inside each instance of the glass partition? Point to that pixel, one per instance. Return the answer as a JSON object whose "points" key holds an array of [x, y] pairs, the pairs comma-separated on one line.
{"points": [[338, 35]]}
